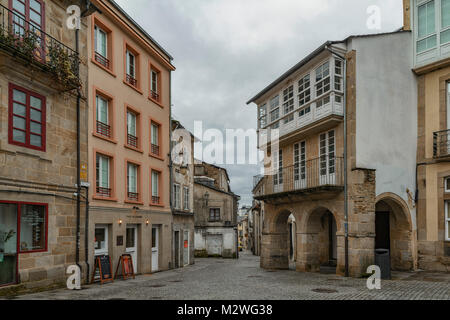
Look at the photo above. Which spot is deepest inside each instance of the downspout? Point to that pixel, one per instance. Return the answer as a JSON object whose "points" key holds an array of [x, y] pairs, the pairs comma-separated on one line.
{"points": [[346, 234], [77, 251], [86, 236], [171, 169]]}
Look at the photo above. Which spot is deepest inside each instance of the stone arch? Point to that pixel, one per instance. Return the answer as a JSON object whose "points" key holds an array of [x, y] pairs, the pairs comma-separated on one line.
{"points": [[275, 242], [401, 236], [319, 240]]}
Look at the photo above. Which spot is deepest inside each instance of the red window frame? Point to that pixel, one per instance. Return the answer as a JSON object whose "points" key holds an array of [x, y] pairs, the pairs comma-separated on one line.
{"points": [[19, 204], [27, 118], [28, 9]]}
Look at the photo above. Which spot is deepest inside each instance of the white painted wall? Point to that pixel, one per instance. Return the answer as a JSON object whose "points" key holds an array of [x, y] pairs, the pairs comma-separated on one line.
{"points": [[227, 235], [386, 111]]}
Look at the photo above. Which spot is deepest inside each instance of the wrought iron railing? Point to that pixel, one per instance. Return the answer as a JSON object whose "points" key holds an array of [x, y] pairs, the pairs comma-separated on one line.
{"points": [[131, 80], [441, 144], [155, 149], [104, 192], [132, 141], [103, 129], [102, 60], [25, 40], [154, 95], [133, 196], [321, 172], [155, 199]]}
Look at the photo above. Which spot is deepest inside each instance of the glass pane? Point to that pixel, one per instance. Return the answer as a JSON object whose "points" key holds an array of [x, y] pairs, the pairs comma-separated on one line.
{"points": [[131, 123], [17, 5], [445, 13], [19, 123], [100, 239], [35, 17], [36, 128], [132, 178], [35, 5], [104, 172], [19, 136], [20, 110], [36, 103], [155, 183], [431, 18], [131, 241], [35, 115], [32, 228], [445, 36], [8, 243], [35, 140], [102, 110], [19, 96]]}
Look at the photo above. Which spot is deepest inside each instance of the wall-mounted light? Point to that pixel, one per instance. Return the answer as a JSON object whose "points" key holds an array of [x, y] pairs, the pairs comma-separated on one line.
{"points": [[147, 222], [120, 222]]}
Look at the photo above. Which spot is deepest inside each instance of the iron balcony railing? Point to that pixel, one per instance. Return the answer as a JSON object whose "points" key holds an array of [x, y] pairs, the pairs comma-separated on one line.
{"points": [[306, 175], [23, 39], [103, 129], [155, 149], [131, 80], [104, 192], [441, 144], [133, 196], [154, 95], [132, 141], [156, 199], [102, 60]]}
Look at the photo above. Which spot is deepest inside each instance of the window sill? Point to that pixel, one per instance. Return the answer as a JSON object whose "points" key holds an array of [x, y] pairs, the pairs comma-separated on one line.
{"points": [[104, 68], [96, 197], [159, 104], [33, 251], [159, 205], [133, 148], [128, 201], [133, 87], [156, 156], [99, 136], [18, 144]]}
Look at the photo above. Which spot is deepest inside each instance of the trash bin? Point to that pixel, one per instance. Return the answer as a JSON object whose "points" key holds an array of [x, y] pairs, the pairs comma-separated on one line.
{"points": [[383, 260]]}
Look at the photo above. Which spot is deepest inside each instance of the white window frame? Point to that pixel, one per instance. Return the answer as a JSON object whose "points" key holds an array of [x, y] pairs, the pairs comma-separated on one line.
{"points": [[186, 196], [177, 196], [288, 100], [130, 117], [97, 99], [262, 115], [320, 83], [275, 102], [153, 175], [304, 90], [154, 80], [131, 71], [103, 251], [97, 31], [135, 167], [100, 178]]}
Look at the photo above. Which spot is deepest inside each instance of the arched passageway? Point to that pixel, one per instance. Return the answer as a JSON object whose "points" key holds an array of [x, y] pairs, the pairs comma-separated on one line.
{"points": [[393, 229]]}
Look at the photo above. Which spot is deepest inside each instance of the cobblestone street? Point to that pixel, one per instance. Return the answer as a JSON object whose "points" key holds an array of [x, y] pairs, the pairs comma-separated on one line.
{"points": [[240, 280]]}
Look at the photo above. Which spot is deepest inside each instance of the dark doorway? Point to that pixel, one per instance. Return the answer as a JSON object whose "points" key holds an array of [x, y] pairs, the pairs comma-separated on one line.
{"points": [[291, 242], [332, 240], [177, 249], [382, 231]]}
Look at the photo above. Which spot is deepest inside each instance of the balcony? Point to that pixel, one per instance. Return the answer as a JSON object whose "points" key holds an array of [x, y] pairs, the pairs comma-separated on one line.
{"points": [[102, 60], [132, 196], [131, 80], [156, 199], [31, 45], [155, 150], [154, 95], [441, 144], [132, 141], [104, 192], [318, 118], [321, 176]]}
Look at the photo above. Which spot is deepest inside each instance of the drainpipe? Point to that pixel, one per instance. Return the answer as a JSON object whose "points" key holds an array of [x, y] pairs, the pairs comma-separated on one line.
{"points": [[86, 236], [170, 169], [346, 235], [77, 251]]}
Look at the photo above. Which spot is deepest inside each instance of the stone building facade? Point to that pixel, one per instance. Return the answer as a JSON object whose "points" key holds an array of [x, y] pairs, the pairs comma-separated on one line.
{"points": [[182, 196], [301, 128], [216, 208], [38, 142], [129, 142], [431, 56]]}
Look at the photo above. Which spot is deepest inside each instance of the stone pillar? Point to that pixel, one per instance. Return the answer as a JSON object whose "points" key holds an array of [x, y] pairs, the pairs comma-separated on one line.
{"points": [[274, 251]]}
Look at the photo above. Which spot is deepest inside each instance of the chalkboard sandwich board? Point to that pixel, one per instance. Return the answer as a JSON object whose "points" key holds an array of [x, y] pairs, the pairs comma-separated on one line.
{"points": [[102, 270], [126, 267]]}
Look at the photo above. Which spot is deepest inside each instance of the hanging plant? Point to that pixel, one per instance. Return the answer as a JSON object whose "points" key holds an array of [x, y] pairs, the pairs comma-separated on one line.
{"points": [[64, 65]]}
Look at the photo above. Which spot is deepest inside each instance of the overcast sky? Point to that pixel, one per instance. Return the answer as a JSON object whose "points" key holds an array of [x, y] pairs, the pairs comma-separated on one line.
{"points": [[226, 51]]}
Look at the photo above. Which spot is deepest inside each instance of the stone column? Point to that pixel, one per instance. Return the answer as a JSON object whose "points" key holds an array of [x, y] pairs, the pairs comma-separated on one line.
{"points": [[274, 251]]}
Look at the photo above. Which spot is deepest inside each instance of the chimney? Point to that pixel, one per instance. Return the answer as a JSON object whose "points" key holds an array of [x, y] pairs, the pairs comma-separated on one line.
{"points": [[407, 15]]}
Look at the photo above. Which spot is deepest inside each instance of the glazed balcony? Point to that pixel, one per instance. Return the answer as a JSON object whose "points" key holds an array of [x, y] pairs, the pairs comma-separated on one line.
{"points": [[441, 144], [318, 177], [33, 47]]}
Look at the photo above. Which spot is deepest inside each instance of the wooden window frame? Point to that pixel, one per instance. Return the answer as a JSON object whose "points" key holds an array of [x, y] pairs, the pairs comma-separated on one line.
{"points": [[112, 176], [19, 204], [27, 12], [139, 182], [215, 219], [127, 47], [138, 148], [96, 21], [160, 186], [161, 151], [188, 207], [111, 115], [43, 124]]}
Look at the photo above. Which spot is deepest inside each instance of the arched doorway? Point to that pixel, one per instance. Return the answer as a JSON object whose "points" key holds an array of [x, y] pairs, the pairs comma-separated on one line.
{"points": [[393, 231], [321, 245], [277, 241]]}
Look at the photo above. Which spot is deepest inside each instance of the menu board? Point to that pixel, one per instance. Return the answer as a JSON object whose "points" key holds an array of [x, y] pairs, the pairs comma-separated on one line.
{"points": [[102, 269]]}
